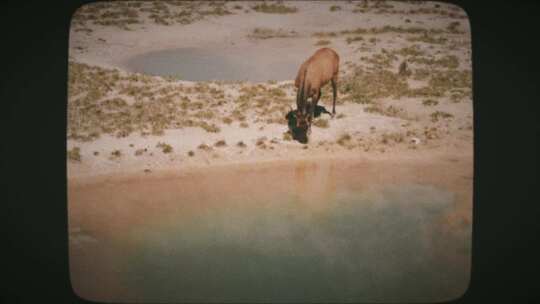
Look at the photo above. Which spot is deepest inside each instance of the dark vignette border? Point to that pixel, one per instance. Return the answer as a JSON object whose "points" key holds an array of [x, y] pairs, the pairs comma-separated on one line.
{"points": [[33, 115]]}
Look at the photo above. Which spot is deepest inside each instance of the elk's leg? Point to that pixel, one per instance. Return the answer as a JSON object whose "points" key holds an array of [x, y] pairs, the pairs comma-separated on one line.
{"points": [[334, 91], [314, 101]]}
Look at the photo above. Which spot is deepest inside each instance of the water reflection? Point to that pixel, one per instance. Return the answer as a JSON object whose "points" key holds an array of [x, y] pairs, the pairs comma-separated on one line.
{"points": [[306, 237]]}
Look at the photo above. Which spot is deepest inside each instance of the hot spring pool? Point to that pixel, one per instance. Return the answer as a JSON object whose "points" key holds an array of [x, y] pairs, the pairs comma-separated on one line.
{"points": [[260, 64], [297, 233]]}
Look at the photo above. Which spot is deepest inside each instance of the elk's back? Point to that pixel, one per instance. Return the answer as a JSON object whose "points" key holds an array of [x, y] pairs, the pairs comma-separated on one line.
{"points": [[321, 67]]}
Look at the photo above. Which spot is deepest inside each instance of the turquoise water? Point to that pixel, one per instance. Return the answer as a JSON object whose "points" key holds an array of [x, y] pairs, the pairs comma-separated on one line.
{"points": [[358, 249], [306, 235]]}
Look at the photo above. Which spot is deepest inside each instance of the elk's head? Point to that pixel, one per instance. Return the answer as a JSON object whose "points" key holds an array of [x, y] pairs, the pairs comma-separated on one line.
{"points": [[302, 120], [298, 125]]}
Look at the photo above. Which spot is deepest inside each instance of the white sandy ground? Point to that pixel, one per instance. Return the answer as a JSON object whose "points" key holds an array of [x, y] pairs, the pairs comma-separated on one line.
{"points": [[111, 47]]}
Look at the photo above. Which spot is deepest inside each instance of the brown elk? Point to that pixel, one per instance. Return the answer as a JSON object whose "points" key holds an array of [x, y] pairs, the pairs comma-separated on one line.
{"points": [[314, 73]]}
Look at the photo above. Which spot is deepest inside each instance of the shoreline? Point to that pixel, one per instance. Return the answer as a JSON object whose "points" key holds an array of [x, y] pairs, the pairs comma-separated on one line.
{"points": [[180, 170], [404, 128]]}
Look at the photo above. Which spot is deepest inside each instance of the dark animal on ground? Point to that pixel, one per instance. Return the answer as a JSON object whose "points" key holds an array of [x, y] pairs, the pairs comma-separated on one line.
{"points": [[298, 133]]}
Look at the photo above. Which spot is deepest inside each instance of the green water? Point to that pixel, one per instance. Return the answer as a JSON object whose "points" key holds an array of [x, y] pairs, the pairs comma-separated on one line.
{"points": [[382, 245]]}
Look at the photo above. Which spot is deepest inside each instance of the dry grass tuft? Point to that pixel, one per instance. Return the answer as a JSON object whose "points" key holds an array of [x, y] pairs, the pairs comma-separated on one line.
{"points": [[428, 38], [74, 154], [267, 33], [116, 154], [220, 143], [277, 8], [344, 139], [212, 128], [322, 42], [287, 136], [430, 102], [453, 27], [353, 39], [204, 147], [435, 116], [387, 138], [165, 148], [321, 123], [261, 141], [404, 70]]}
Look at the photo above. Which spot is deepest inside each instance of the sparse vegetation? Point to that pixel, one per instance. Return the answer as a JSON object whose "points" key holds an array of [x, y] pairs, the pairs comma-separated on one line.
{"points": [[344, 139], [387, 138], [325, 34], [322, 42], [261, 141], [449, 61], [204, 147], [459, 95], [453, 27], [91, 112], [267, 33], [365, 86], [404, 70], [435, 116], [321, 123], [127, 14], [212, 128], [430, 102], [411, 51], [429, 70], [428, 38], [74, 154], [392, 29], [220, 143], [372, 109], [115, 154], [420, 74], [287, 136], [431, 133], [165, 148], [353, 39], [390, 111], [274, 8]]}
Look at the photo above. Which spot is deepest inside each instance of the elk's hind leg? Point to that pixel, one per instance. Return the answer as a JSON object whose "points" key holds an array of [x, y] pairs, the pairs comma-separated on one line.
{"points": [[334, 91]]}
